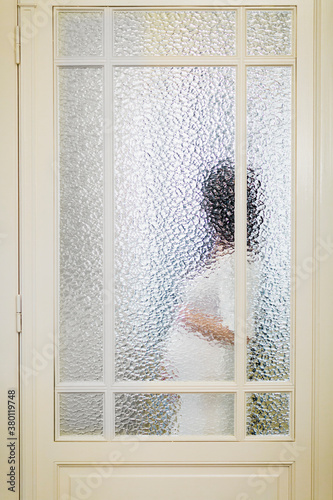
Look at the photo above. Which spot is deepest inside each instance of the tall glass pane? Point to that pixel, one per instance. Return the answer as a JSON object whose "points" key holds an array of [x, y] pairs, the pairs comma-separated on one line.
{"points": [[174, 222], [175, 33], [174, 414], [269, 132], [81, 187]]}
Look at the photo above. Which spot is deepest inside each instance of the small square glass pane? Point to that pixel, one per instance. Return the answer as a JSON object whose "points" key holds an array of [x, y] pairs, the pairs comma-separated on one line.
{"points": [[174, 414], [80, 34], [269, 32], [268, 413], [81, 414]]}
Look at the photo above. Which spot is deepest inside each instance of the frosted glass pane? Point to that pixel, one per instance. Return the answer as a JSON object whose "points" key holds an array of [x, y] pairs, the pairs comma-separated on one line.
{"points": [[80, 111], [81, 413], [175, 33], [269, 132], [174, 141], [80, 34], [269, 32], [174, 414], [268, 413]]}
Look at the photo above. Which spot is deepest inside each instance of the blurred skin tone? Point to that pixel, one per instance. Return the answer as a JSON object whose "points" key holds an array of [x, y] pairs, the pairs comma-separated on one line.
{"points": [[207, 325]]}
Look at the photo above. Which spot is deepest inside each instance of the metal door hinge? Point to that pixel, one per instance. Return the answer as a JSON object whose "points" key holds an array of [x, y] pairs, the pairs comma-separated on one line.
{"points": [[17, 45], [19, 313]]}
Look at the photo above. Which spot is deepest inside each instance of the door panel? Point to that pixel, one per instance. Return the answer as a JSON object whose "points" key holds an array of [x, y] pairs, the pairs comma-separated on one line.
{"points": [[177, 482], [120, 231]]}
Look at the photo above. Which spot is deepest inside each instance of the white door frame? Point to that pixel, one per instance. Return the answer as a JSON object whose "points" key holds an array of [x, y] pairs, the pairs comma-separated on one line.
{"points": [[321, 267], [322, 437], [9, 352]]}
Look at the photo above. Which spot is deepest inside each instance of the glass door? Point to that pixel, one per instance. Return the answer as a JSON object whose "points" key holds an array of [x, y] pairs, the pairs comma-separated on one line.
{"points": [[171, 233]]}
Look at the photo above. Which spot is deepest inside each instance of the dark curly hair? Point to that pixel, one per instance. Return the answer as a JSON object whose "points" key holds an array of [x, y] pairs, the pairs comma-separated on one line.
{"points": [[219, 205]]}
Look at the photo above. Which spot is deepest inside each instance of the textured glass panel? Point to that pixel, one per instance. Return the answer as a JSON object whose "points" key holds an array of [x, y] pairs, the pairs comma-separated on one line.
{"points": [[81, 413], [174, 131], [175, 33], [80, 111], [80, 34], [269, 32], [174, 414], [268, 413], [269, 132]]}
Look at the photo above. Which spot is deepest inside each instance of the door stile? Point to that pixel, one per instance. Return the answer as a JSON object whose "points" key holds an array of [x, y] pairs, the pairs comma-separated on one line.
{"points": [[322, 437], [9, 261], [29, 368]]}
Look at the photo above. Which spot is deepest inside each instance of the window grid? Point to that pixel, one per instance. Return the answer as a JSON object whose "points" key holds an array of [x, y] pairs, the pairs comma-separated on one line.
{"points": [[241, 387]]}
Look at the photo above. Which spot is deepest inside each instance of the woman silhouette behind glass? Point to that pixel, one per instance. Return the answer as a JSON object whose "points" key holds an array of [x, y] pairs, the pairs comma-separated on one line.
{"points": [[200, 342]]}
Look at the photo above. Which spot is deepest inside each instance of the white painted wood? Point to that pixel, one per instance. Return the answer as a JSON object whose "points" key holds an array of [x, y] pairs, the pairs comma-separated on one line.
{"points": [[9, 338], [42, 456], [241, 230], [323, 263], [44, 5], [176, 481], [30, 367]]}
